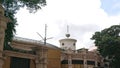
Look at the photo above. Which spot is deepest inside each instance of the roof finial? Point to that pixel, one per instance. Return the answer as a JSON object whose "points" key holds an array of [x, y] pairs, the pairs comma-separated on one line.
{"points": [[67, 35], [67, 29]]}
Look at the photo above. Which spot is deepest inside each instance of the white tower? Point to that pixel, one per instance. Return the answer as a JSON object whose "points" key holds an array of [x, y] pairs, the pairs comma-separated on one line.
{"points": [[68, 43]]}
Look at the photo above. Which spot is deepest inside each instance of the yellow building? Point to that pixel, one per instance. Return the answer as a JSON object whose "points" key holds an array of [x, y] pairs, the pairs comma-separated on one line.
{"points": [[28, 53], [81, 58]]}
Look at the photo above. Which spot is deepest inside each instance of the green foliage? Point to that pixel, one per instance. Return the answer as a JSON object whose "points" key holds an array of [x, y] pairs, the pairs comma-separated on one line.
{"points": [[11, 7], [108, 43], [10, 31], [14, 5]]}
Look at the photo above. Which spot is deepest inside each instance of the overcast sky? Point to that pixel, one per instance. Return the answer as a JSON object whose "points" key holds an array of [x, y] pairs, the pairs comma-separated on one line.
{"points": [[84, 18]]}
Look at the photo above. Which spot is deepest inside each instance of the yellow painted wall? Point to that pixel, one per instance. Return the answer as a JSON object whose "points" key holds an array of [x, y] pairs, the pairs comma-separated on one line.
{"points": [[78, 66], [7, 63], [32, 63], [73, 66], [64, 66], [90, 66], [53, 58]]}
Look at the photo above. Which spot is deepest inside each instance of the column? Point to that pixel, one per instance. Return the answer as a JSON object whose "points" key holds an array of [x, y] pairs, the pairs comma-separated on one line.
{"points": [[45, 57], [41, 60], [1, 62], [3, 25], [69, 61], [38, 60], [69, 53], [96, 61], [85, 63], [85, 60]]}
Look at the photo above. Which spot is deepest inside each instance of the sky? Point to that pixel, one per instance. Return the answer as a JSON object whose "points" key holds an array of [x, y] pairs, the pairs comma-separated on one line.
{"points": [[84, 18]]}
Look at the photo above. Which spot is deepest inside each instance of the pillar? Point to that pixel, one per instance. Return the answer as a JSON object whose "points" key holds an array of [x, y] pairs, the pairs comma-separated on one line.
{"points": [[96, 61], [69, 61], [85, 63], [85, 60], [69, 53], [41, 60], [3, 26]]}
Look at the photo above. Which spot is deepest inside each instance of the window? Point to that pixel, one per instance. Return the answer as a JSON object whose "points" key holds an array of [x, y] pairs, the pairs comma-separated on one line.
{"points": [[19, 62], [62, 44], [74, 44]]}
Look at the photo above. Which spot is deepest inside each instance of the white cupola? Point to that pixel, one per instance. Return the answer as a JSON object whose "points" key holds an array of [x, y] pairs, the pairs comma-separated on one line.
{"points": [[68, 43]]}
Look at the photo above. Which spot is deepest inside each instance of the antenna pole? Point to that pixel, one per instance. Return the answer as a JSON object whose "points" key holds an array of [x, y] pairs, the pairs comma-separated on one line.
{"points": [[67, 29], [45, 34]]}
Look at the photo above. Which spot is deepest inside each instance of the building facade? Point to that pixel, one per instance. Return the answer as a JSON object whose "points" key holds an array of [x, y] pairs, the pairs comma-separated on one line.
{"points": [[3, 26], [28, 53], [33, 54], [81, 58]]}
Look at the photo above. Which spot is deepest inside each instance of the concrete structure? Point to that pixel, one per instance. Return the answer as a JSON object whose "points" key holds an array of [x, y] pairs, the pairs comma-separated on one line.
{"points": [[68, 43], [27, 53], [36, 55], [3, 26], [81, 58]]}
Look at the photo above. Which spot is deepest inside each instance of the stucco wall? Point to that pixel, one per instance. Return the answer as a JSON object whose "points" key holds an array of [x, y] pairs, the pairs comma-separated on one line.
{"points": [[6, 63], [53, 58]]}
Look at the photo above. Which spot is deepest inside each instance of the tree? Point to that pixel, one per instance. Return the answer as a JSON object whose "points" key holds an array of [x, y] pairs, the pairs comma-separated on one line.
{"points": [[108, 43], [11, 7]]}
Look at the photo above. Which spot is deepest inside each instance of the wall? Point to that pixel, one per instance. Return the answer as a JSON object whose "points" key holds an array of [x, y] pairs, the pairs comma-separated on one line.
{"points": [[73, 66], [8, 60], [53, 58], [6, 63], [32, 63]]}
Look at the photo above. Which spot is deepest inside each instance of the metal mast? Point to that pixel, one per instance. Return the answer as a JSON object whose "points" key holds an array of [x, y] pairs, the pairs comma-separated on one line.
{"points": [[45, 36]]}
